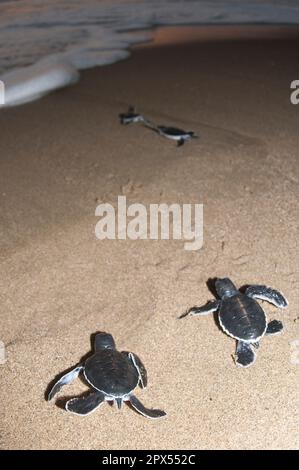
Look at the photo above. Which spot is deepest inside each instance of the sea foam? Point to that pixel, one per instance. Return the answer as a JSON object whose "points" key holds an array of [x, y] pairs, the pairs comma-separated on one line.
{"points": [[45, 44], [29, 83]]}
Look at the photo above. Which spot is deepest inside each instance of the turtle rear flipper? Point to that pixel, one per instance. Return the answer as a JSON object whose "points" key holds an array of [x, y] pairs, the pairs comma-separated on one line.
{"points": [[274, 327], [84, 406], [64, 380], [245, 354], [148, 413], [267, 293]]}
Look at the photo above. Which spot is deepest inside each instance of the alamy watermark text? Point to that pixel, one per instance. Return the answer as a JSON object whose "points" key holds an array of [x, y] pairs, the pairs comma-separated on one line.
{"points": [[294, 97], [159, 221]]}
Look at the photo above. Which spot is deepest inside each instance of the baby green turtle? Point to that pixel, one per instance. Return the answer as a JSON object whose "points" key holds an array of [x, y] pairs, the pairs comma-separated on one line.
{"points": [[179, 135], [130, 116], [241, 317], [112, 374]]}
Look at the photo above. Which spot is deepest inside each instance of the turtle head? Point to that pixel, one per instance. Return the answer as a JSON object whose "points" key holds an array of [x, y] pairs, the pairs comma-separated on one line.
{"points": [[225, 288], [192, 134], [104, 341]]}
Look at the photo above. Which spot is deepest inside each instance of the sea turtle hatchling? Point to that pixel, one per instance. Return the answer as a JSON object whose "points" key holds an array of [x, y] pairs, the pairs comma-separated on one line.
{"points": [[178, 135], [112, 374], [130, 116], [241, 317]]}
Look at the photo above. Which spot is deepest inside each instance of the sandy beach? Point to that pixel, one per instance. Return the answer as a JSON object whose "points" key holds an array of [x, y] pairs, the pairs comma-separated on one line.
{"points": [[63, 155]]}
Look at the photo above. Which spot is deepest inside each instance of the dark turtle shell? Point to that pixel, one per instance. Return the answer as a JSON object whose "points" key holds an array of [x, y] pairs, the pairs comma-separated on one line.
{"points": [[128, 115], [172, 131], [242, 317], [111, 372]]}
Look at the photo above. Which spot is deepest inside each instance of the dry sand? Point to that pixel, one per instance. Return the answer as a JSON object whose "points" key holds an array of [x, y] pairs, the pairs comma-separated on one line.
{"points": [[61, 155]]}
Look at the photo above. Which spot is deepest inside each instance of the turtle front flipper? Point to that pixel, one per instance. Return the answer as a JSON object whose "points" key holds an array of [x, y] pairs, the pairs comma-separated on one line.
{"points": [[84, 406], [245, 354], [274, 327], [140, 368], [210, 307], [267, 293], [181, 142], [148, 413], [64, 380]]}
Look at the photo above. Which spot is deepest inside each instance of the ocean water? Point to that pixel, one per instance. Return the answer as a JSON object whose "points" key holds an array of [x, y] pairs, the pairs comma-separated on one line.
{"points": [[44, 44]]}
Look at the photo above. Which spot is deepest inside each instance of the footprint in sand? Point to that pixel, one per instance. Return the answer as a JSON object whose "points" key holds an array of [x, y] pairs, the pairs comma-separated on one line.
{"points": [[130, 188], [242, 260]]}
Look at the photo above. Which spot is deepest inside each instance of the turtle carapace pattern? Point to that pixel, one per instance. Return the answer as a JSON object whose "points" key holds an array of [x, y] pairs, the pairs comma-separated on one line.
{"points": [[242, 317], [112, 375]]}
